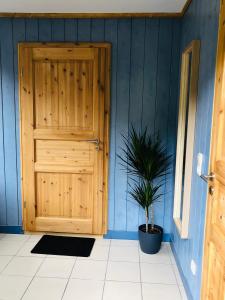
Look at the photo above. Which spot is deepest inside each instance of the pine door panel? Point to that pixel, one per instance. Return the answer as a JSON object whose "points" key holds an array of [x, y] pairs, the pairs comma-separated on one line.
{"points": [[216, 274], [64, 195], [63, 103], [63, 95], [213, 287], [64, 152]]}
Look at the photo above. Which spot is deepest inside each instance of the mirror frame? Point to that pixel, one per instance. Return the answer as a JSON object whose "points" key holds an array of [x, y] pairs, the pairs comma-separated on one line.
{"points": [[188, 92]]}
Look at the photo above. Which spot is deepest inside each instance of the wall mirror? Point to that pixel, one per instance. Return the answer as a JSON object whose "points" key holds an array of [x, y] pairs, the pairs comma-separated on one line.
{"points": [[185, 136]]}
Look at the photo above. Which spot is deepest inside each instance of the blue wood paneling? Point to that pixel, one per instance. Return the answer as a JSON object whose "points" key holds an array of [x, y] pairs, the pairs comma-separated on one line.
{"points": [[172, 121], [111, 34], [18, 35], [200, 22], [122, 118], [71, 30], [2, 156], [45, 30], [31, 31], [58, 30], [144, 83], [138, 29], [98, 30], [163, 98], [150, 73], [9, 120], [84, 30]]}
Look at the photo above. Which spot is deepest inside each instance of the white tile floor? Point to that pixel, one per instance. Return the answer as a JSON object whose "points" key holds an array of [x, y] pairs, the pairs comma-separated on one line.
{"points": [[116, 270]]}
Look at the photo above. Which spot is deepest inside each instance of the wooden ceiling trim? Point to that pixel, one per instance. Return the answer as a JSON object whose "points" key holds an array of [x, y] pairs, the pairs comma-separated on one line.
{"points": [[96, 15], [88, 15], [185, 8]]}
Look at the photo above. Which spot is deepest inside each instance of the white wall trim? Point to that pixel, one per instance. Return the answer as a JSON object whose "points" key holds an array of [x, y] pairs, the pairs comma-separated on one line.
{"points": [[93, 6]]}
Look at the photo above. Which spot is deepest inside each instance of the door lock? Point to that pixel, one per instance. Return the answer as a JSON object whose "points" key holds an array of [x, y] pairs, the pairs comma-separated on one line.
{"points": [[211, 190]]}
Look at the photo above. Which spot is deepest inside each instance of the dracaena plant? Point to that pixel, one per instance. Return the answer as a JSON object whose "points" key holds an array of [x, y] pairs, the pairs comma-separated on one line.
{"points": [[145, 158]]}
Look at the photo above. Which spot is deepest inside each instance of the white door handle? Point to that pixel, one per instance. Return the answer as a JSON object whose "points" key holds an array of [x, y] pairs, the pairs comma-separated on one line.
{"points": [[96, 142], [209, 177]]}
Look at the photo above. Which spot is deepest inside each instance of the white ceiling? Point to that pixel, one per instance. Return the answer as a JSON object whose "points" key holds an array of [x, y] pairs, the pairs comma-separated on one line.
{"points": [[92, 6]]}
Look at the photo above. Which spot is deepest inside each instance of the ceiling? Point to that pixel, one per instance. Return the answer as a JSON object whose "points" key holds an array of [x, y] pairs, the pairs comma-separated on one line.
{"points": [[92, 6]]}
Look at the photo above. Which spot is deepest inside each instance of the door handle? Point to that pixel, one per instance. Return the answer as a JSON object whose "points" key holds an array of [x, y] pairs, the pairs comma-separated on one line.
{"points": [[96, 142], [208, 178]]}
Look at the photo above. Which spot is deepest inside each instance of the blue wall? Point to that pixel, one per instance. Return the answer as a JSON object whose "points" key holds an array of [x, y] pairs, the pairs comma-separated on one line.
{"points": [[200, 22], [144, 91]]}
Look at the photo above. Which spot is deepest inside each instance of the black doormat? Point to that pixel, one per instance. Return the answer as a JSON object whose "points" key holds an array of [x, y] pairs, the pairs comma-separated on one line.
{"points": [[64, 245]]}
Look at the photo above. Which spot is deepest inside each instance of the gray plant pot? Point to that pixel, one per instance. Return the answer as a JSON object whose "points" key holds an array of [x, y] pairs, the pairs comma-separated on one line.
{"points": [[150, 243]]}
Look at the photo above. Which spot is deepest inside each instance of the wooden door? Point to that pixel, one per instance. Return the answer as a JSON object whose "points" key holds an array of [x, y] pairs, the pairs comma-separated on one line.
{"points": [[64, 106], [214, 254]]}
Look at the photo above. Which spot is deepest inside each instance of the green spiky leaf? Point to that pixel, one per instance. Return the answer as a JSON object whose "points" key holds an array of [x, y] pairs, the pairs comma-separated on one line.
{"points": [[145, 157]]}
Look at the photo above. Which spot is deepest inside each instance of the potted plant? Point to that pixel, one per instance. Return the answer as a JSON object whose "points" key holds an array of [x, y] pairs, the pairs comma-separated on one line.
{"points": [[146, 160]]}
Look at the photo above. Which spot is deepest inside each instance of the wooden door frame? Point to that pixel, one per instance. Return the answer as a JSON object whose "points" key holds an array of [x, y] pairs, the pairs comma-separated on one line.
{"points": [[104, 82], [217, 89]]}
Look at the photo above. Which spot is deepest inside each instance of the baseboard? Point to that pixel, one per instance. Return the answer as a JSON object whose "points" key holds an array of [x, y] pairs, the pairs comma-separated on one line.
{"points": [[11, 229], [185, 283], [111, 234], [130, 235]]}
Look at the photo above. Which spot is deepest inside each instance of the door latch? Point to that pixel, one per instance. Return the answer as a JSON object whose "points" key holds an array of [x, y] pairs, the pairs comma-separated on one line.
{"points": [[208, 178], [96, 142]]}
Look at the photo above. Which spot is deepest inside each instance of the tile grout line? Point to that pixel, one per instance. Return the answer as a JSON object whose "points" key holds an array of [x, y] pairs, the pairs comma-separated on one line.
{"points": [[118, 261], [150, 283], [13, 256], [111, 280], [179, 287], [110, 246], [139, 254], [64, 291], [103, 290], [43, 260], [7, 264], [171, 253]]}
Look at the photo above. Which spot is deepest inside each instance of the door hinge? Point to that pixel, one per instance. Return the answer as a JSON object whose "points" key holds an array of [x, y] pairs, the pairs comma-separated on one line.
{"points": [[21, 72], [24, 204]]}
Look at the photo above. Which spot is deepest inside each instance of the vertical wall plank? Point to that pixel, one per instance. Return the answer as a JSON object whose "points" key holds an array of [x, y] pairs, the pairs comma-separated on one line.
{"points": [[164, 65], [150, 82], [84, 30], [3, 212], [58, 30], [97, 30], [150, 73], [136, 104], [32, 30], [163, 97], [18, 36], [111, 35], [71, 30], [123, 94], [9, 118], [172, 122], [45, 30]]}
